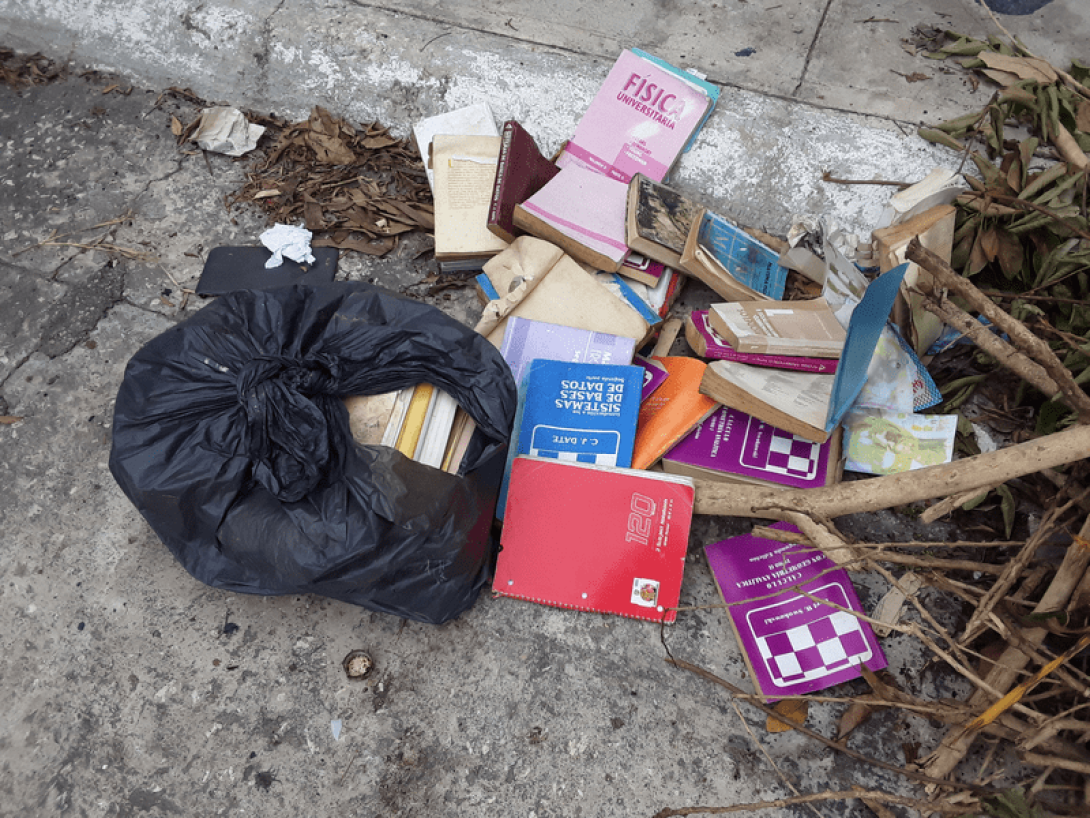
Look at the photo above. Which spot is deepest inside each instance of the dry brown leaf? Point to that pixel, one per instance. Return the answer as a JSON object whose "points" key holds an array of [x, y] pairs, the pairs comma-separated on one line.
{"points": [[794, 709], [987, 207], [916, 76], [1003, 78], [1082, 116], [1010, 253], [855, 715], [1069, 149], [9, 419], [312, 215], [989, 244], [378, 142], [176, 126], [978, 259], [330, 149], [1026, 68], [371, 248]]}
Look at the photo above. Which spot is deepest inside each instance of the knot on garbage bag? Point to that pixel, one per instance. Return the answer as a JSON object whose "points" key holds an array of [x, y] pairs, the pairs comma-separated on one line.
{"points": [[289, 434]]}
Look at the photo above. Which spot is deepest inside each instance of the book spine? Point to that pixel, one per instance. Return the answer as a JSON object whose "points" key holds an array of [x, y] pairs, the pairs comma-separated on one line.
{"points": [[719, 351], [637, 303], [501, 172], [488, 290]]}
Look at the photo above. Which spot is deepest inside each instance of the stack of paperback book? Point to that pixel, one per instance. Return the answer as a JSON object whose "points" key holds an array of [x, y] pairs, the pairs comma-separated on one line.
{"points": [[582, 255]]}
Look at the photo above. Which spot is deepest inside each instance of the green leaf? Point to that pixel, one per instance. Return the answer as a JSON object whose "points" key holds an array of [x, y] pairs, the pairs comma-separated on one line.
{"points": [[1049, 416], [1006, 505], [940, 138], [964, 47], [970, 504], [960, 123], [1012, 804], [1017, 95], [989, 171], [995, 133], [1032, 619], [1079, 71], [1042, 180], [1025, 152]]}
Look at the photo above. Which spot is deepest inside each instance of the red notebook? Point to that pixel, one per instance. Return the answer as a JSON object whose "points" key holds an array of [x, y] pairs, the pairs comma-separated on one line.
{"points": [[595, 539]]}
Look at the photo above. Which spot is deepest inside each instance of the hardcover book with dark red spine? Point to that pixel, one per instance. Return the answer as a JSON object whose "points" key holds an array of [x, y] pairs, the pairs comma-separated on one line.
{"points": [[522, 171]]}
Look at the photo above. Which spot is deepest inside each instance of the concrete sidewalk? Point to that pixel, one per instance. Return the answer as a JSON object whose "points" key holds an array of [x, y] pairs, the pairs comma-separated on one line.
{"points": [[132, 690], [794, 73]]}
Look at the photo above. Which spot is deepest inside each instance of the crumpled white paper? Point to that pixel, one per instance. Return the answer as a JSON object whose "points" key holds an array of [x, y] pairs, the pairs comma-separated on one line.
{"points": [[225, 130], [287, 240]]}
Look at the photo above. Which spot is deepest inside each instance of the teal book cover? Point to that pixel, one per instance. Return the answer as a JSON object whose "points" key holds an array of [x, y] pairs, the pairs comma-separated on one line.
{"points": [[575, 413]]}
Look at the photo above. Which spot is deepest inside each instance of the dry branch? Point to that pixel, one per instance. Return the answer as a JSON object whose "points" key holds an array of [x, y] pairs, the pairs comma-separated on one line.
{"points": [[1010, 664], [844, 795], [1006, 355], [1020, 336], [806, 731], [857, 496]]}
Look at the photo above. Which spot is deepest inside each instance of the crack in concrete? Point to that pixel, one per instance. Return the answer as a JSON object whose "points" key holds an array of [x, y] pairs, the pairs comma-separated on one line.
{"points": [[262, 56], [792, 98], [428, 18], [810, 50]]}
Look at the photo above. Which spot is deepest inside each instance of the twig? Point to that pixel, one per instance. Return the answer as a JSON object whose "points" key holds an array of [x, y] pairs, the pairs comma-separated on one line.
{"points": [[806, 731], [1020, 336], [1012, 571], [843, 795], [1007, 667], [1054, 761], [1030, 297], [53, 235], [828, 177], [1016, 202], [1006, 355], [935, 564], [947, 505], [768, 758]]}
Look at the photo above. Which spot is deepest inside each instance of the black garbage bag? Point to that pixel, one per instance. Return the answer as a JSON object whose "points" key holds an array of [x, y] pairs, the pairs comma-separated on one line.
{"points": [[231, 438]]}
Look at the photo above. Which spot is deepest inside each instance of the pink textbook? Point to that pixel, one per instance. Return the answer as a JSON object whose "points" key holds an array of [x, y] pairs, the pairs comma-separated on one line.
{"points": [[582, 212], [639, 121]]}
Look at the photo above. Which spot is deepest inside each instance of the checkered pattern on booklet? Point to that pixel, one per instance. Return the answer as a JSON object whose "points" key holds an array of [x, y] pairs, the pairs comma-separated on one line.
{"points": [[833, 641], [779, 452]]}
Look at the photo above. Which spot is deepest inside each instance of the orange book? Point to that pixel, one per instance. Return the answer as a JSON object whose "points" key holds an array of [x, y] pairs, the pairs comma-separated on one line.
{"points": [[671, 411]]}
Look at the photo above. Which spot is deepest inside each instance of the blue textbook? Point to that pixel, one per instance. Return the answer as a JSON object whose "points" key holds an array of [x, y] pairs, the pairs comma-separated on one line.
{"points": [[731, 262], [575, 412]]}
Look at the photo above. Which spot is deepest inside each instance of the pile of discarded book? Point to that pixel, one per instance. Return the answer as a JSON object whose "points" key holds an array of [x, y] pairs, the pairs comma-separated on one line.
{"points": [[583, 256]]}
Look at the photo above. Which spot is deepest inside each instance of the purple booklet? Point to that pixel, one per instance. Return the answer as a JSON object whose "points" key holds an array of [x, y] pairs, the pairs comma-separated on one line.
{"points": [[525, 340], [735, 447], [654, 373], [793, 643], [709, 344]]}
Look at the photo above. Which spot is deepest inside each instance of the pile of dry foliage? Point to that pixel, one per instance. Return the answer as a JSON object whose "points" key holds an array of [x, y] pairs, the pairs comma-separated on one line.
{"points": [[356, 188]]}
